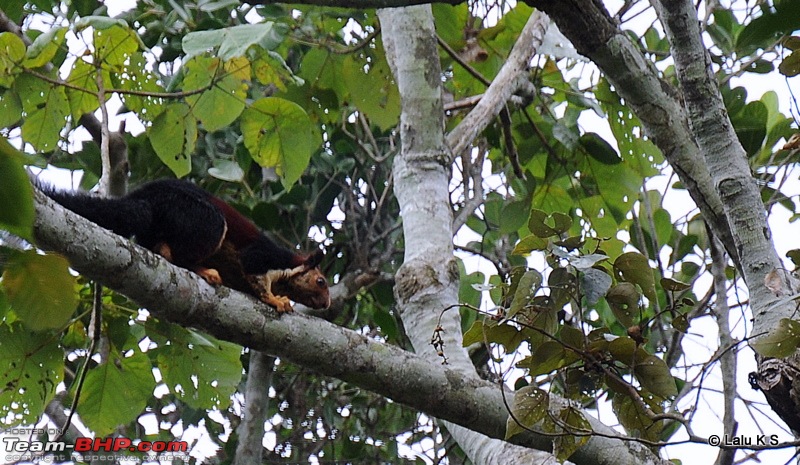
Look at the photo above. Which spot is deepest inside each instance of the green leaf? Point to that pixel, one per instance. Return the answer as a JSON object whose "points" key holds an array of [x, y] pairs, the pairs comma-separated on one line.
{"points": [[99, 22], [44, 48], [12, 52], [681, 323], [138, 78], [594, 284], [623, 350], [467, 292], [82, 101], [794, 256], [528, 244], [780, 342], [10, 108], [233, 42], [750, 125], [549, 356], [513, 216], [537, 225], [529, 283], [633, 417], [33, 366], [491, 332], [635, 268], [671, 285], [173, 137], [564, 445], [653, 374], [204, 376], [450, 23], [599, 149], [586, 262], [323, 69], [41, 290], [530, 406], [373, 91], [16, 194], [624, 302], [227, 170], [223, 102], [790, 66], [114, 45], [270, 68], [116, 392], [279, 133], [763, 31], [47, 108], [563, 286]]}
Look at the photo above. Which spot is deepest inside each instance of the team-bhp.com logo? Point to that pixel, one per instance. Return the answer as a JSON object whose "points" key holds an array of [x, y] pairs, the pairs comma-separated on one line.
{"points": [[20, 449]]}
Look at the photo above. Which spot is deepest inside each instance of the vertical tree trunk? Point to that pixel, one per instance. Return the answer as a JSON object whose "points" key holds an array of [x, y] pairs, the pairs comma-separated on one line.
{"points": [[427, 283]]}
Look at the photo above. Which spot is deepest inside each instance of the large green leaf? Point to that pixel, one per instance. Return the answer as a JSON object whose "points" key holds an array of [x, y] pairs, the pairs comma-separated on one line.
{"points": [[599, 149], [233, 42], [116, 392], [491, 332], [575, 436], [10, 108], [763, 31], [324, 70], [83, 76], [624, 302], [373, 91], [41, 289], [202, 371], [750, 125], [224, 99], [46, 107], [44, 48], [173, 137], [780, 342], [790, 66], [16, 195], [279, 133], [115, 45], [654, 375], [138, 78], [530, 406], [527, 287], [635, 268], [33, 366], [12, 52]]}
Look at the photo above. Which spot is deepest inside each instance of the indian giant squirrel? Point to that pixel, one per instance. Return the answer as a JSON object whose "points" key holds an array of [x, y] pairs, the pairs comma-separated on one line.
{"points": [[195, 230]]}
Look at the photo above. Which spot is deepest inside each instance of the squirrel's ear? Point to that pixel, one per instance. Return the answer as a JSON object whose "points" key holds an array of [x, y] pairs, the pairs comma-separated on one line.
{"points": [[315, 259]]}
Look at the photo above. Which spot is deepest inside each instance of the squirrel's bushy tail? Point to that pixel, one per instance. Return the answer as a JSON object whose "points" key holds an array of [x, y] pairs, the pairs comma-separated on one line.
{"points": [[124, 216]]}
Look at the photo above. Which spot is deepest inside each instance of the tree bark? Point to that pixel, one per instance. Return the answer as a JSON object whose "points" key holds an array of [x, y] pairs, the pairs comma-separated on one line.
{"points": [[427, 282]]}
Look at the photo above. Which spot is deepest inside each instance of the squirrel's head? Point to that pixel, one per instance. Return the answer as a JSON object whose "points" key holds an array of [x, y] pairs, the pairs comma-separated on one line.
{"points": [[309, 287]]}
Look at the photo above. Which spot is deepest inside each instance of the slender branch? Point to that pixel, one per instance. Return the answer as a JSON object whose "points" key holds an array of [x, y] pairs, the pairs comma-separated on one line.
{"points": [[727, 362], [507, 81], [457, 57], [139, 93]]}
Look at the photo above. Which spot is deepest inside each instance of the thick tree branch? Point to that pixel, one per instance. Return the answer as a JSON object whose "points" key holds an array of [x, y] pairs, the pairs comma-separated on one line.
{"points": [[181, 297], [730, 171], [725, 157]]}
